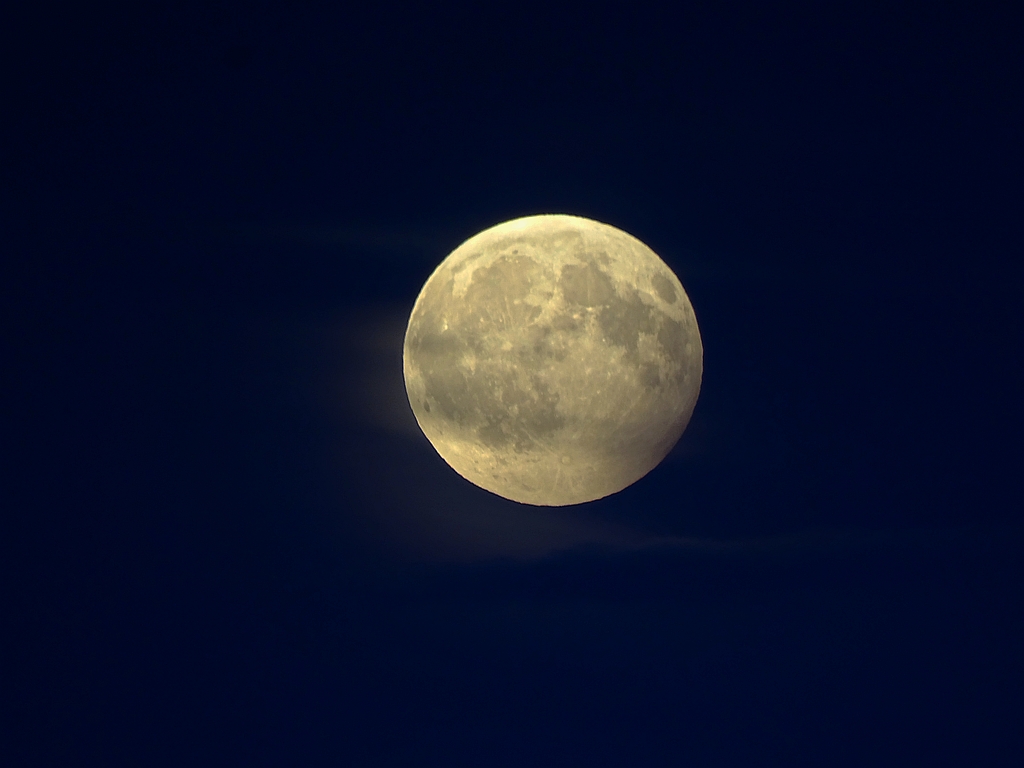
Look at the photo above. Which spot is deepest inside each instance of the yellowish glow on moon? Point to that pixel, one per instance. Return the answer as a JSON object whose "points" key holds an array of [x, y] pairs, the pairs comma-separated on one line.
{"points": [[552, 360]]}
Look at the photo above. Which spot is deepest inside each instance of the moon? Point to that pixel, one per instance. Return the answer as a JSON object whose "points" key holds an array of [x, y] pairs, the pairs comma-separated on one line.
{"points": [[552, 360]]}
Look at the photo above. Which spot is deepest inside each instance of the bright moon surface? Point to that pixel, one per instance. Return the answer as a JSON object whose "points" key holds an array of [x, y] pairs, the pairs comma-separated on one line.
{"points": [[553, 360]]}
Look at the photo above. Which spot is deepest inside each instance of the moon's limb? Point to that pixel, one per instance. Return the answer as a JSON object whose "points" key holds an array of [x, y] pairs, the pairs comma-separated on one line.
{"points": [[553, 360]]}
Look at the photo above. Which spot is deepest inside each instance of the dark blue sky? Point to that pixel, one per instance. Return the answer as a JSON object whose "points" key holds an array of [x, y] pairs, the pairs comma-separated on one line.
{"points": [[229, 544]]}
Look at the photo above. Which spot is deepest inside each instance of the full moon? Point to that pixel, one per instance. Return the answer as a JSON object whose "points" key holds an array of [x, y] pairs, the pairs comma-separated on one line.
{"points": [[552, 360]]}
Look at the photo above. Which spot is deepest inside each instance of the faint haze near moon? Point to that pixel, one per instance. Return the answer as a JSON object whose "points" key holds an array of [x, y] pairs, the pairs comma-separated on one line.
{"points": [[354, 375], [419, 507]]}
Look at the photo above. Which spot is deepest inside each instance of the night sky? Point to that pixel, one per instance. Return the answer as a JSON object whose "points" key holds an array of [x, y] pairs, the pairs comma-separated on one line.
{"points": [[226, 541]]}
